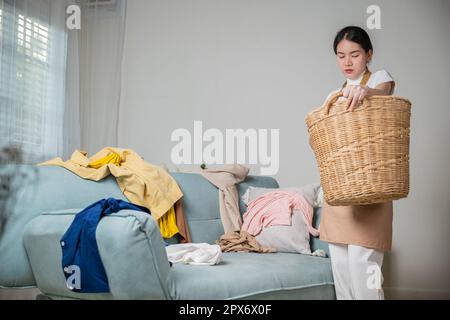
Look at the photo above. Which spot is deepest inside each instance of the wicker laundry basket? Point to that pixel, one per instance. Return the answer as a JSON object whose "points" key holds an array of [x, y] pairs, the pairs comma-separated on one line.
{"points": [[362, 155]]}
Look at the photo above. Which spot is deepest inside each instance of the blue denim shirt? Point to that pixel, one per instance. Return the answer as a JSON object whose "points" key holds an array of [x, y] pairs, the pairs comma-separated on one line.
{"points": [[79, 245]]}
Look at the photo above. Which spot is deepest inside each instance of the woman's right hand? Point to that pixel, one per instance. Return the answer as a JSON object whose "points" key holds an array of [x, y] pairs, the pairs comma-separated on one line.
{"points": [[355, 95]]}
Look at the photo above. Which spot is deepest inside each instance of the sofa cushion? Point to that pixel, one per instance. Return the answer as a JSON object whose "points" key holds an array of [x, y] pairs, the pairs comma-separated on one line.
{"points": [[309, 192], [293, 238], [255, 276]]}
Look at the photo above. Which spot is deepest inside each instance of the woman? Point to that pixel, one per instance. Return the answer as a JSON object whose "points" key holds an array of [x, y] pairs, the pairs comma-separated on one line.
{"points": [[358, 235]]}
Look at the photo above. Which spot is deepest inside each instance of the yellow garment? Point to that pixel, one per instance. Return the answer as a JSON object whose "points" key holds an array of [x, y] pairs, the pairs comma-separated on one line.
{"points": [[168, 224], [141, 182], [112, 158]]}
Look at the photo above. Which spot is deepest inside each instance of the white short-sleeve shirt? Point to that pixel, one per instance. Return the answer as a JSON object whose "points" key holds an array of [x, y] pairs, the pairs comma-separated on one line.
{"points": [[375, 79]]}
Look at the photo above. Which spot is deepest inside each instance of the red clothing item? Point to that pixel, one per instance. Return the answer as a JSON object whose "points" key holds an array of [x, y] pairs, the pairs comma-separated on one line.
{"points": [[275, 208]]}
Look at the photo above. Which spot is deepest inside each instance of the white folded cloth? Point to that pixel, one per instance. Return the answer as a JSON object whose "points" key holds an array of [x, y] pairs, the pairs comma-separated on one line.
{"points": [[194, 253], [319, 253]]}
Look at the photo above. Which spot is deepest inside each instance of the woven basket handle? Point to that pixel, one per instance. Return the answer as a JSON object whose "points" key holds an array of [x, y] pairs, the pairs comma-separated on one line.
{"points": [[332, 100]]}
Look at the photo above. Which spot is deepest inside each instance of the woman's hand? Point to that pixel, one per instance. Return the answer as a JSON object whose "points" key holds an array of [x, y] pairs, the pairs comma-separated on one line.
{"points": [[355, 95]]}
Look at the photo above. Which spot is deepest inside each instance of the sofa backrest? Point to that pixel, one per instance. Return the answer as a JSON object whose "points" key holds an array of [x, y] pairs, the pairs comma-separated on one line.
{"points": [[201, 203]]}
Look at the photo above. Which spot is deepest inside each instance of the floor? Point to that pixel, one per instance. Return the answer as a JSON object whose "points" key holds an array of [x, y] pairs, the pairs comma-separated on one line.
{"points": [[18, 294]]}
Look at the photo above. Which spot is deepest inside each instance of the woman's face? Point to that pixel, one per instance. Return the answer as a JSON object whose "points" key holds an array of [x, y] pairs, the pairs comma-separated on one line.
{"points": [[352, 59]]}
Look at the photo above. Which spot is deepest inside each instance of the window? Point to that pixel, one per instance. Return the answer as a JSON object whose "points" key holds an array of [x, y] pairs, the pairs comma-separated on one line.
{"points": [[24, 80], [32, 39]]}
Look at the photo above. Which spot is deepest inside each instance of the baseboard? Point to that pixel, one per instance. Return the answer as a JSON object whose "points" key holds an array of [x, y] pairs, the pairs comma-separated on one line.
{"points": [[393, 293]]}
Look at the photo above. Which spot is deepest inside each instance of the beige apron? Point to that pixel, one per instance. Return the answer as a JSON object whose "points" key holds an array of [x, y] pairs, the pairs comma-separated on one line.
{"points": [[364, 225]]}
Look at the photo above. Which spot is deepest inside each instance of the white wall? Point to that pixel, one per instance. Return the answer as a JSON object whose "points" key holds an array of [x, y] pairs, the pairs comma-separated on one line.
{"points": [[265, 64]]}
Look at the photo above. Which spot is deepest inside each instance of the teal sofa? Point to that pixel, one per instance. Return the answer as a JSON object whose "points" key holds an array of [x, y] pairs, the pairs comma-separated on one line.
{"points": [[133, 251]]}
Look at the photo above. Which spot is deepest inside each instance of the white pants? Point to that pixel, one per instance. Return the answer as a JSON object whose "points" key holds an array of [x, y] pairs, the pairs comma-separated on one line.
{"points": [[357, 272]]}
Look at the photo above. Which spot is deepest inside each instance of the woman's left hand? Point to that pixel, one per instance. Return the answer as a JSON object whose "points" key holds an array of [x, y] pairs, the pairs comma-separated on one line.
{"points": [[354, 95]]}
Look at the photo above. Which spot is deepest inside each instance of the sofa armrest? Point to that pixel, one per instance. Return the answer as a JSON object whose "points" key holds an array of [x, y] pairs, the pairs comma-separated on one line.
{"points": [[315, 242], [130, 246]]}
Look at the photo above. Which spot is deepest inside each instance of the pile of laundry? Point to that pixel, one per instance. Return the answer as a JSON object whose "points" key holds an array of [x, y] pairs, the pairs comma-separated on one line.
{"points": [[142, 183], [148, 188], [271, 209]]}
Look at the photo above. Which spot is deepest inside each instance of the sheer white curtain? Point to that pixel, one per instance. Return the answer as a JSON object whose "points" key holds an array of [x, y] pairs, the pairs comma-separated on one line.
{"points": [[32, 76], [100, 43], [60, 88]]}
